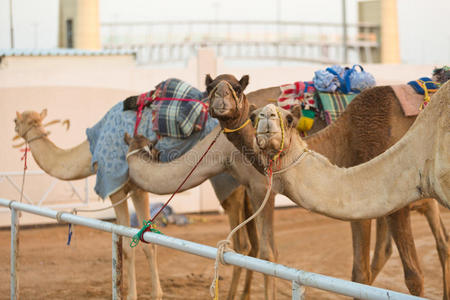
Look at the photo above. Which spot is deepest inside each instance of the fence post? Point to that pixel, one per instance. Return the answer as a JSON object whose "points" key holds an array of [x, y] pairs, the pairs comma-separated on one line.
{"points": [[14, 251], [298, 291], [116, 266]]}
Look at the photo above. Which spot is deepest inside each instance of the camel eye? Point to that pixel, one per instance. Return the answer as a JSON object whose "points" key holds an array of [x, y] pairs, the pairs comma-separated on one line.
{"points": [[273, 115]]}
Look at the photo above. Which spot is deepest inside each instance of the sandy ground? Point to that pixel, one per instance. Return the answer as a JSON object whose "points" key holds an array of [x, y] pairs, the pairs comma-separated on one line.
{"points": [[51, 270]]}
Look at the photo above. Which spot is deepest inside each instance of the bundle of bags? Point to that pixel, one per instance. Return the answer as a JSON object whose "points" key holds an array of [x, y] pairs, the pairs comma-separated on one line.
{"points": [[344, 80]]}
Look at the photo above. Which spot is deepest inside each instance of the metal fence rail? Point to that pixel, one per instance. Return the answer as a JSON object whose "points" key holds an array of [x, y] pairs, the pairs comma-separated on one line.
{"points": [[297, 277]]}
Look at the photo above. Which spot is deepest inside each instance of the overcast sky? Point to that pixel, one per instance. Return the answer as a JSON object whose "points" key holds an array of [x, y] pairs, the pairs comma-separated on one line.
{"points": [[424, 29]]}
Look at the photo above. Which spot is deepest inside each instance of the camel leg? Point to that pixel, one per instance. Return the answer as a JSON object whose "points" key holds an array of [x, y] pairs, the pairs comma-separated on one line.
{"points": [[430, 208], [123, 218], [383, 248], [264, 223], [254, 244], [234, 209], [141, 205], [400, 226], [361, 251]]}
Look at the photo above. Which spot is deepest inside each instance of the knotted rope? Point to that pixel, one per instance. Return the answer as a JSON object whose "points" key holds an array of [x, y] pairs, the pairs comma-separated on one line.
{"points": [[222, 246]]}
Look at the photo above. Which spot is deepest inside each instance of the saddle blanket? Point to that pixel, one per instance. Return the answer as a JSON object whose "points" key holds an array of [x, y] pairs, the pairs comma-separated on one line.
{"points": [[178, 109], [109, 149], [409, 100], [297, 93], [334, 104]]}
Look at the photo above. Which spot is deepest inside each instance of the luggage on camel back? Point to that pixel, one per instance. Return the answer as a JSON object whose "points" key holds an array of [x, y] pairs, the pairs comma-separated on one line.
{"points": [[328, 94], [174, 114], [332, 89]]}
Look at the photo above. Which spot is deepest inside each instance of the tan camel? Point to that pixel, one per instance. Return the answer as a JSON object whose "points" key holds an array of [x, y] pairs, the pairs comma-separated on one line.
{"points": [[341, 143], [417, 166], [75, 163]]}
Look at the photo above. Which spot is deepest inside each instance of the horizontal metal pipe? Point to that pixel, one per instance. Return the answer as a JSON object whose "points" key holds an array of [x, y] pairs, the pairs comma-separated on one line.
{"points": [[339, 286]]}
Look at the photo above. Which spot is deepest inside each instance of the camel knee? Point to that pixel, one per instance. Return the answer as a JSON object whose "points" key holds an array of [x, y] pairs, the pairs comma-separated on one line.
{"points": [[414, 282]]}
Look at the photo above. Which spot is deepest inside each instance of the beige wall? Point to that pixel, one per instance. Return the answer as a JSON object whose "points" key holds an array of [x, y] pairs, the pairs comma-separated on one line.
{"points": [[83, 88]]}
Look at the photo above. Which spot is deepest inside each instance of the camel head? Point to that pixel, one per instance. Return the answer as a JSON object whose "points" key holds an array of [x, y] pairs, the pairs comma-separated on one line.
{"points": [[140, 145], [226, 95], [27, 120], [275, 128]]}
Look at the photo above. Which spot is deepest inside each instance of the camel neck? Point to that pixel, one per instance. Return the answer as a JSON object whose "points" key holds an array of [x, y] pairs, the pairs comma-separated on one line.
{"points": [[243, 138], [149, 174], [370, 190], [70, 164]]}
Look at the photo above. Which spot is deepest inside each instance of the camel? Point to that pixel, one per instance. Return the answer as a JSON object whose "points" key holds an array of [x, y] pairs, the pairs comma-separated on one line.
{"points": [[75, 163], [340, 144], [420, 159]]}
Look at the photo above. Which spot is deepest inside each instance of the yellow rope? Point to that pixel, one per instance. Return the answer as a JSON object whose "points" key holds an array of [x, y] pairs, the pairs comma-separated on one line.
{"points": [[233, 92], [426, 98], [276, 156], [226, 130]]}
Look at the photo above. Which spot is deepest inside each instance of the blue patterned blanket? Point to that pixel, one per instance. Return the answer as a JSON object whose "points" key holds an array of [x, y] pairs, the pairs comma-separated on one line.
{"points": [[109, 149]]}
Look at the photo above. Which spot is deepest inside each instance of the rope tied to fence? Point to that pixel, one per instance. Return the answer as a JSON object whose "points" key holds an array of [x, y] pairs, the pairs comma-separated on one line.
{"points": [[223, 245], [140, 235]]}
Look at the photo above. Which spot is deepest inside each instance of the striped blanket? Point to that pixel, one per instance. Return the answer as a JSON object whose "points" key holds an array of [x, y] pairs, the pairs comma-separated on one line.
{"points": [[178, 109], [334, 104], [300, 92]]}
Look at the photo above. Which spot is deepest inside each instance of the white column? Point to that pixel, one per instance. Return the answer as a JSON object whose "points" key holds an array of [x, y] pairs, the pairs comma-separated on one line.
{"points": [[87, 25], [390, 50]]}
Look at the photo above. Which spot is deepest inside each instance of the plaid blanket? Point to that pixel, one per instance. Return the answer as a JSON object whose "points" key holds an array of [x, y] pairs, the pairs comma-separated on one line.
{"points": [[334, 104], [300, 92], [178, 109]]}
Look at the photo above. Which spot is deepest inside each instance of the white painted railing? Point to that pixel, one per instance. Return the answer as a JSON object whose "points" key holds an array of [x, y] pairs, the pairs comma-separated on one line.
{"points": [[83, 195], [298, 278]]}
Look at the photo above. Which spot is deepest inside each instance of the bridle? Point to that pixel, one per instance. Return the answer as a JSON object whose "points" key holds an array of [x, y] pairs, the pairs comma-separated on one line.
{"points": [[282, 149], [237, 101], [33, 138]]}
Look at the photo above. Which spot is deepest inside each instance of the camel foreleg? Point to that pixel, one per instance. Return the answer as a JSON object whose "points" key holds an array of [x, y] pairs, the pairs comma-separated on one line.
{"points": [[430, 208], [383, 248], [234, 209], [142, 208], [400, 226], [123, 218]]}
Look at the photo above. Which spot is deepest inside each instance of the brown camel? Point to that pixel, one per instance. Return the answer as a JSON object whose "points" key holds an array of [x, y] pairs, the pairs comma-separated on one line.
{"points": [[365, 130]]}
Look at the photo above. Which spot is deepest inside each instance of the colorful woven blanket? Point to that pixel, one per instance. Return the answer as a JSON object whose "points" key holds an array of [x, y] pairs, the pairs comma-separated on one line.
{"points": [[108, 148], [300, 92], [334, 104], [178, 109]]}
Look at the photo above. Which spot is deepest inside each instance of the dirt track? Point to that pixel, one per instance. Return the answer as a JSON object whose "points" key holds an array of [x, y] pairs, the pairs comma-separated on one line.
{"points": [[51, 270]]}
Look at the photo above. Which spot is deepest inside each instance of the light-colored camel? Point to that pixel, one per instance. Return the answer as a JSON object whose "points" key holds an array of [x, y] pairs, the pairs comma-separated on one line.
{"points": [[417, 166], [341, 144], [75, 163]]}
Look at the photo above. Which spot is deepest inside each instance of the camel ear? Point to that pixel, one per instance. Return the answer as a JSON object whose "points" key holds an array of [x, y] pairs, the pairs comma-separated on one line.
{"points": [[208, 80], [244, 81], [127, 138], [290, 120], [251, 108], [296, 111], [43, 114], [18, 116], [253, 115]]}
